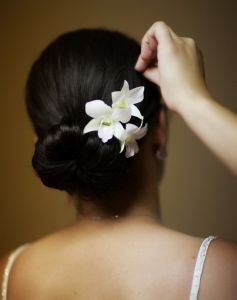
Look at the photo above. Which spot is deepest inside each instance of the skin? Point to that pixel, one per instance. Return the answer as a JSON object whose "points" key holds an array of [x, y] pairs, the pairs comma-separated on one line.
{"points": [[133, 257]]}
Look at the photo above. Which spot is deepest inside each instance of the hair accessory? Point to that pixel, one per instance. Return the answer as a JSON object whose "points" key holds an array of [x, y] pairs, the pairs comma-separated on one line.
{"points": [[107, 120], [129, 136]]}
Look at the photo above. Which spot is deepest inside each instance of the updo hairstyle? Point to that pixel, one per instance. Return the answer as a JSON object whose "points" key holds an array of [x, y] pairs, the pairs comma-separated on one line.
{"points": [[75, 68]]}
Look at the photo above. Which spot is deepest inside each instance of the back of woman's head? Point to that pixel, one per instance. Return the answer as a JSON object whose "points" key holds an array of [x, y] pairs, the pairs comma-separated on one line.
{"points": [[78, 67]]}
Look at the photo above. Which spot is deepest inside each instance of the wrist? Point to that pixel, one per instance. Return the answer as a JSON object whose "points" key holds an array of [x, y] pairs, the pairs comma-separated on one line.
{"points": [[193, 103]]}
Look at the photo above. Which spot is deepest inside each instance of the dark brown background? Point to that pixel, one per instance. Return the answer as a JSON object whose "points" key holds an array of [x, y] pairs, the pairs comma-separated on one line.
{"points": [[199, 196]]}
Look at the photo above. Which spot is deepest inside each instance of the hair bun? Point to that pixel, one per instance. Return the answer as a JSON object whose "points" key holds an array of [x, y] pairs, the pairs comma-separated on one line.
{"points": [[56, 156], [66, 159]]}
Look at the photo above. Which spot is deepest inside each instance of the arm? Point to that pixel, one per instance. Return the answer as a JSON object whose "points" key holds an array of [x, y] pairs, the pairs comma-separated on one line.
{"points": [[176, 65], [216, 126]]}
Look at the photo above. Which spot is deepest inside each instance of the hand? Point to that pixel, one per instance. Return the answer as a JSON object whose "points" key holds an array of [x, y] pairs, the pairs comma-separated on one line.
{"points": [[174, 63]]}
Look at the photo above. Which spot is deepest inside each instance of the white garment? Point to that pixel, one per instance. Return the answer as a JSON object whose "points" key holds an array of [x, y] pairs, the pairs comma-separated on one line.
{"points": [[7, 270], [196, 275]]}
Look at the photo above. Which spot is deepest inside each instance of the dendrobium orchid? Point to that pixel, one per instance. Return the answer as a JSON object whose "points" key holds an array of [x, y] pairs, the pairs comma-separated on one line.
{"points": [[108, 120], [128, 137], [105, 120], [125, 100]]}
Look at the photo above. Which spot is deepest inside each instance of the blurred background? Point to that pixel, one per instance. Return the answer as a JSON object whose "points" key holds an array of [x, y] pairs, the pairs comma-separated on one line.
{"points": [[198, 195]]}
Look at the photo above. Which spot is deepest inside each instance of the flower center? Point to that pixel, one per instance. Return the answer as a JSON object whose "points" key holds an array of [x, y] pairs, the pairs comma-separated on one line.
{"points": [[122, 103], [129, 139], [106, 121]]}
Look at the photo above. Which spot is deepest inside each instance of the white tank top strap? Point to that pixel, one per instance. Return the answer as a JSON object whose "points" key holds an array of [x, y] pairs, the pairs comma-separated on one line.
{"points": [[7, 269], [197, 274]]}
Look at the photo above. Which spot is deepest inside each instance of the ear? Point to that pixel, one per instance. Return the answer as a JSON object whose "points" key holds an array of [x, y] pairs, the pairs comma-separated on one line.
{"points": [[160, 136], [35, 139]]}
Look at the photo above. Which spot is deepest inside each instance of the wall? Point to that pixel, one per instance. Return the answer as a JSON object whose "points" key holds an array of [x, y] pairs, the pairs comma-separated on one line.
{"points": [[199, 196]]}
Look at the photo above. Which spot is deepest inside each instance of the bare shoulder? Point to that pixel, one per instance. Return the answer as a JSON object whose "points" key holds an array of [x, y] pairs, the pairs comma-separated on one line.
{"points": [[38, 268], [220, 271], [30, 270], [13, 281]]}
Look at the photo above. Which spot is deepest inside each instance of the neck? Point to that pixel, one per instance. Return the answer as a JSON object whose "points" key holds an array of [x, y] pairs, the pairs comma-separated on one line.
{"points": [[147, 208], [145, 204]]}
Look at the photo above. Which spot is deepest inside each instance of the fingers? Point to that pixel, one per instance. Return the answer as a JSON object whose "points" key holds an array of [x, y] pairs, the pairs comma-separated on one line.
{"points": [[146, 57], [152, 75], [159, 32]]}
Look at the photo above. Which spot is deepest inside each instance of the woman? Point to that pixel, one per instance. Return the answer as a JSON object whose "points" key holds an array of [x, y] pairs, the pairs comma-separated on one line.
{"points": [[101, 136]]}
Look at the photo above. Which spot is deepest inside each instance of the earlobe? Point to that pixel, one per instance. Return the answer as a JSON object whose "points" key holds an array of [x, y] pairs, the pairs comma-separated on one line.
{"points": [[160, 155], [35, 139]]}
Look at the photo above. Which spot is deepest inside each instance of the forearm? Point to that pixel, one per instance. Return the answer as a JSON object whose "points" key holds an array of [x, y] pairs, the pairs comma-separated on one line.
{"points": [[215, 125]]}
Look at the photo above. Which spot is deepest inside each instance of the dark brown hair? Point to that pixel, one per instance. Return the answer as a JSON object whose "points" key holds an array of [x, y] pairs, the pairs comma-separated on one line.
{"points": [[77, 67]]}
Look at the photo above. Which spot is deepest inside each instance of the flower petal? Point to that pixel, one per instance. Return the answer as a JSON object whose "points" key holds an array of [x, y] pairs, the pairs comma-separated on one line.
{"points": [[131, 128], [116, 96], [135, 147], [125, 88], [91, 126], [122, 146], [136, 95], [121, 114], [119, 131], [141, 132], [129, 151], [97, 108], [105, 132], [136, 112]]}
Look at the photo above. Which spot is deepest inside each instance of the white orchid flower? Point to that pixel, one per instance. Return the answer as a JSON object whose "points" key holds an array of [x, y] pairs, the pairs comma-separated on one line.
{"points": [[128, 137], [125, 99], [105, 120], [108, 120]]}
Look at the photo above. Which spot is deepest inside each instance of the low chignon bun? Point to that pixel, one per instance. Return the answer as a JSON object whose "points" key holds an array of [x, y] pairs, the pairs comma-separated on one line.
{"points": [[67, 160]]}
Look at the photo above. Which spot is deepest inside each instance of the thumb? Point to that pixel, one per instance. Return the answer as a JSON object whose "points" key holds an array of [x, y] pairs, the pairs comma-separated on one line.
{"points": [[152, 74]]}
